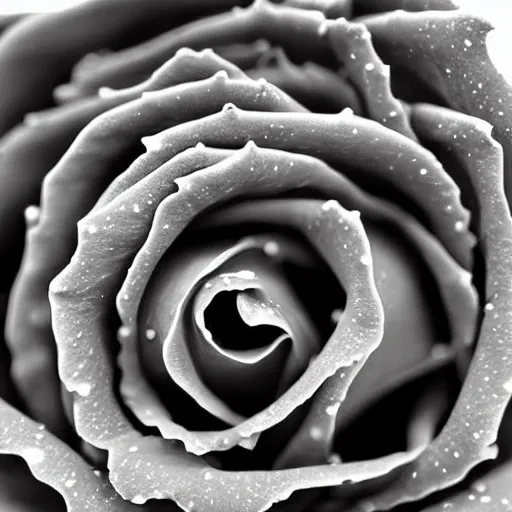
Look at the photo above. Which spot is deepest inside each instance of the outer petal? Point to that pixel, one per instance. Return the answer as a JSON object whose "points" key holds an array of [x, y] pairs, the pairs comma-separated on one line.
{"points": [[288, 27], [469, 435], [447, 51], [82, 172], [334, 138], [491, 493], [55, 464], [177, 475], [40, 52]]}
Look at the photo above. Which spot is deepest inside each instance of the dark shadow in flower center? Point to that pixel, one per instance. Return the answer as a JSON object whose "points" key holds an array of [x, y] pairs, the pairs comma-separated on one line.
{"points": [[228, 329]]}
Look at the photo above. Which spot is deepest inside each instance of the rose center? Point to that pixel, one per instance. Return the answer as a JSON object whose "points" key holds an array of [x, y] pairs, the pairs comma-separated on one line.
{"points": [[228, 328]]}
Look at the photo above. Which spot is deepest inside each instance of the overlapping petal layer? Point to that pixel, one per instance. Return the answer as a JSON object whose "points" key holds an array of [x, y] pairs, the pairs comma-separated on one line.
{"points": [[233, 143]]}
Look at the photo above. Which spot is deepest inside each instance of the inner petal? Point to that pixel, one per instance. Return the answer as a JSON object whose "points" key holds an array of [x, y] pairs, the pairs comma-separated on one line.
{"points": [[243, 320], [243, 325], [254, 328]]}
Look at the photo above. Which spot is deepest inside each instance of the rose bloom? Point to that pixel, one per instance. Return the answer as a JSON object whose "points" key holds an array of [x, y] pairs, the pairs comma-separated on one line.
{"points": [[254, 257]]}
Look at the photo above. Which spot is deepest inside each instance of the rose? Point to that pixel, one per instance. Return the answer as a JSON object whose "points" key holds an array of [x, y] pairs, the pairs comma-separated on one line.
{"points": [[84, 293]]}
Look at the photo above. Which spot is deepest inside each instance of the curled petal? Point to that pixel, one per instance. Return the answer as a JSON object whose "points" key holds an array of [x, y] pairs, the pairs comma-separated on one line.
{"points": [[448, 52], [313, 85], [74, 185], [284, 26], [351, 42], [487, 387], [170, 472], [458, 296], [394, 158]]}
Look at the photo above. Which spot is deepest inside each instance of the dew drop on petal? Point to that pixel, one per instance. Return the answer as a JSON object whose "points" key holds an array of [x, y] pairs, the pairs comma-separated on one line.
{"points": [[365, 259], [459, 226], [33, 455], [271, 248]]}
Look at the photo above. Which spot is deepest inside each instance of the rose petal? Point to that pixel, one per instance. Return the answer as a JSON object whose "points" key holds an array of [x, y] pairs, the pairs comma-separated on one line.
{"points": [[170, 472], [312, 443], [487, 386], [333, 138], [170, 286], [31, 150], [139, 359], [186, 65], [69, 193], [284, 26], [372, 6], [244, 55], [120, 456], [60, 39], [448, 51], [454, 283], [55, 464], [312, 85], [268, 300], [220, 367], [491, 493], [351, 42]]}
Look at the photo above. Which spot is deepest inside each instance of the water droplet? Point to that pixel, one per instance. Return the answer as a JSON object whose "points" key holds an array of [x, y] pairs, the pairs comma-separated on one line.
{"points": [[33, 455], [329, 205], [32, 215], [271, 248], [83, 389], [365, 259], [124, 332], [245, 274], [316, 433], [331, 410], [336, 315], [459, 226]]}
